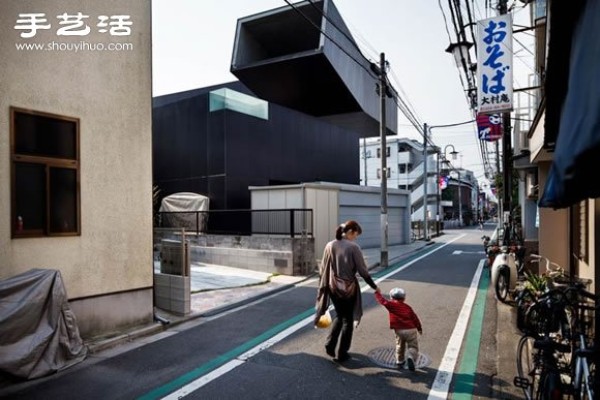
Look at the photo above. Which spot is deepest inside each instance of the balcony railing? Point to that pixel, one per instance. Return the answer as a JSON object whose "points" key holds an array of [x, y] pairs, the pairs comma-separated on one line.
{"points": [[288, 222]]}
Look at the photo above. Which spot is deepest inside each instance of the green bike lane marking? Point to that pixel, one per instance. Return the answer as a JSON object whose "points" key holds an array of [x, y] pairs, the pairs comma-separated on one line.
{"points": [[253, 346], [224, 358], [465, 379]]}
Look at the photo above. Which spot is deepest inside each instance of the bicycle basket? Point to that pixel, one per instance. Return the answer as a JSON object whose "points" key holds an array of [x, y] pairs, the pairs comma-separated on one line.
{"points": [[540, 319]]}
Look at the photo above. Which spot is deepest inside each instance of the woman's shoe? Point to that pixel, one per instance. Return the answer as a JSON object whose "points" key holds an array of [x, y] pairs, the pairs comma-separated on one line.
{"points": [[330, 352]]}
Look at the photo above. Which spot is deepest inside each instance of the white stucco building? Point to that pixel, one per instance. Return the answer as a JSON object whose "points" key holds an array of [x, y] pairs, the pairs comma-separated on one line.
{"points": [[76, 153]]}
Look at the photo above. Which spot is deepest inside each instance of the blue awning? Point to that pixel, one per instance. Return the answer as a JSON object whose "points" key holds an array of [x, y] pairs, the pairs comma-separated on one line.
{"points": [[577, 151]]}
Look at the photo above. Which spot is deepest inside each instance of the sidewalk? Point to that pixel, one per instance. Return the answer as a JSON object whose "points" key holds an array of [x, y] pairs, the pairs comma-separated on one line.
{"points": [[218, 288]]}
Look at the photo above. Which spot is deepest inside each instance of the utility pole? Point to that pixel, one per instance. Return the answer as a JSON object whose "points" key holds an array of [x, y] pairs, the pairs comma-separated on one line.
{"points": [[382, 131], [459, 200], [365, 158], [425, 233], [438, 216], [499, 211], [506, 145]]}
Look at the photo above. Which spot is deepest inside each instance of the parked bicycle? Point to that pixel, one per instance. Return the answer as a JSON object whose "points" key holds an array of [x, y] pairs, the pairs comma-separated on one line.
{"points": [[555, 356], [544, 351], [583, 367]]}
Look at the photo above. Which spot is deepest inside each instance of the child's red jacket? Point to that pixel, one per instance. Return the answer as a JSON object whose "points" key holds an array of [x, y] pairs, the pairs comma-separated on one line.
{"points": [[402, 315]]}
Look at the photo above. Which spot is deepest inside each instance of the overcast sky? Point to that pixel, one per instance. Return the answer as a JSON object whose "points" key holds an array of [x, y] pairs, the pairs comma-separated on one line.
{"points": [[193, 43]]}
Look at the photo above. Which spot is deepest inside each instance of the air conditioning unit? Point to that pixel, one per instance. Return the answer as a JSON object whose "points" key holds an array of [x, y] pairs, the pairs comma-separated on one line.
{"points": [[531, 185]]}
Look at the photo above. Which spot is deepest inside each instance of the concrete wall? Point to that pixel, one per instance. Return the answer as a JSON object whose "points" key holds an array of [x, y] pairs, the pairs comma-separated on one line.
{"points": [[277, 255], [109, 266], [553, 230]]}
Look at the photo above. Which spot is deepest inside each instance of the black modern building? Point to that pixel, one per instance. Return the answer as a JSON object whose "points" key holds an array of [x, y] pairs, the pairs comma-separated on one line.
{"points": [[217, 142], [306, 96]]}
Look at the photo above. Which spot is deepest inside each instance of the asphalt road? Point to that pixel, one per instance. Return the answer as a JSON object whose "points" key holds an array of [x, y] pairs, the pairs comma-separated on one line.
{"points": [[270, 350]]}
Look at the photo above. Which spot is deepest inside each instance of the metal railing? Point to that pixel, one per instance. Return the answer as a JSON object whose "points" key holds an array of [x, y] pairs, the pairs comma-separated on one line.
{"points": [[290, 222]]}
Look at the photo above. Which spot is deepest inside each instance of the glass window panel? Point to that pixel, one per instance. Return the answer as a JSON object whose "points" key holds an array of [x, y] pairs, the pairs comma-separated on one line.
{"points": [[44, 136], [30, 195], [63, 200], [232, 100]]}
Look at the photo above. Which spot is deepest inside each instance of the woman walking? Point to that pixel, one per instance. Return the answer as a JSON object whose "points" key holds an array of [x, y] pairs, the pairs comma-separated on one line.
{"points": [[342, 259]]}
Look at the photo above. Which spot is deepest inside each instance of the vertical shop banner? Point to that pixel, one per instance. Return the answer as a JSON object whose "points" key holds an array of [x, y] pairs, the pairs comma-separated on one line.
{"points": [[494, 68]]}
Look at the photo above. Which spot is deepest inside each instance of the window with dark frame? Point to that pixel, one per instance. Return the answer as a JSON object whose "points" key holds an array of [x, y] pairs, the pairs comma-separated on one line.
{"points": [[579, 224], [387, 152], [45, 174]]}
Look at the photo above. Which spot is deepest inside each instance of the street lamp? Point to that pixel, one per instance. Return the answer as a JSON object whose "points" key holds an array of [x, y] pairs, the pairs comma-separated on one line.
{"points": [[460, 51], [449, 165], [453, 152]]}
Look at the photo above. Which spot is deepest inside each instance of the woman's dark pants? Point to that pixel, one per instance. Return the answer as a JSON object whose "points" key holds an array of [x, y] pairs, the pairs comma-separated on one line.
{"points": [[344, 324]]}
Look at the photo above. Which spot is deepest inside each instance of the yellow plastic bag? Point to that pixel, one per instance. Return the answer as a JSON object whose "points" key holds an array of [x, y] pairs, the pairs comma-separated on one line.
{"points": [[324, 321]]}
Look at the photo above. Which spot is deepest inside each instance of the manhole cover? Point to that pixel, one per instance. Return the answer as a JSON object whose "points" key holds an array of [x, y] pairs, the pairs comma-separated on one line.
{"points": [[386, 357]]}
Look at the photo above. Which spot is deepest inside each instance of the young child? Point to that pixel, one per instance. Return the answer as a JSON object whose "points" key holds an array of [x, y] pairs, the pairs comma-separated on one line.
{"points": [[405, 324]]}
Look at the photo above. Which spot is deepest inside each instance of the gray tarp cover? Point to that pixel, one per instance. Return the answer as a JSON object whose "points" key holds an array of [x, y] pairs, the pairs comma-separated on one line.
{"points": [[181, 208], [38, 330]]}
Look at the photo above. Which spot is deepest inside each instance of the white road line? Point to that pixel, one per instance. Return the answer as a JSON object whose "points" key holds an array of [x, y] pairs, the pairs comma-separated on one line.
{"points": [[381, 278], [229, 366], [203, 380], [459, 252], [241, 359], [441, 383]]}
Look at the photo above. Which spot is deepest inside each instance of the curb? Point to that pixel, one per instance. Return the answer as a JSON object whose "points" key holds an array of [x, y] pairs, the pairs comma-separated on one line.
{"points": [[227, 307], [104, 344], [136, 333]]}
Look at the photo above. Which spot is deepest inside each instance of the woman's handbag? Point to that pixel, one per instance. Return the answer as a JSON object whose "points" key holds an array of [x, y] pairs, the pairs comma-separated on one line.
{"points": [[340, 287]]}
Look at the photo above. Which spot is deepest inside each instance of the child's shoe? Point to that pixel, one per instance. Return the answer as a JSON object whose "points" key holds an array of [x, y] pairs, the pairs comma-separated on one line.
{"points": [[411, 363]]}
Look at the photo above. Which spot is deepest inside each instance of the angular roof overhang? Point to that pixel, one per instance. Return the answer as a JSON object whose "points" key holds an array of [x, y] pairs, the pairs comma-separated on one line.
{"points": [[302, 56]]}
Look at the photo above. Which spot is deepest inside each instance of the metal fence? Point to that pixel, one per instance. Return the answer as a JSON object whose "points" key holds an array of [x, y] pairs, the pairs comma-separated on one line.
{"points": [[290, 222]]}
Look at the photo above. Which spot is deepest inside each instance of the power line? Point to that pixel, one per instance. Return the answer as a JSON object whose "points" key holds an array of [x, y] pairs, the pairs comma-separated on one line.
{"points": [[402, 104], [333, 41], [404, 107], [350, 39]]}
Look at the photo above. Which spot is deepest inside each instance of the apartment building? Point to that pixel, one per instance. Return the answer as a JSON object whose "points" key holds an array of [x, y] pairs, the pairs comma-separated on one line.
{"points": [[405, 170]]}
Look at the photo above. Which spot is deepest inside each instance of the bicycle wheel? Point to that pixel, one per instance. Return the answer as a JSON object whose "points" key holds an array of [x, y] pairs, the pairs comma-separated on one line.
{"points": [[526, 365], [550, 387], [502, 283]]}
